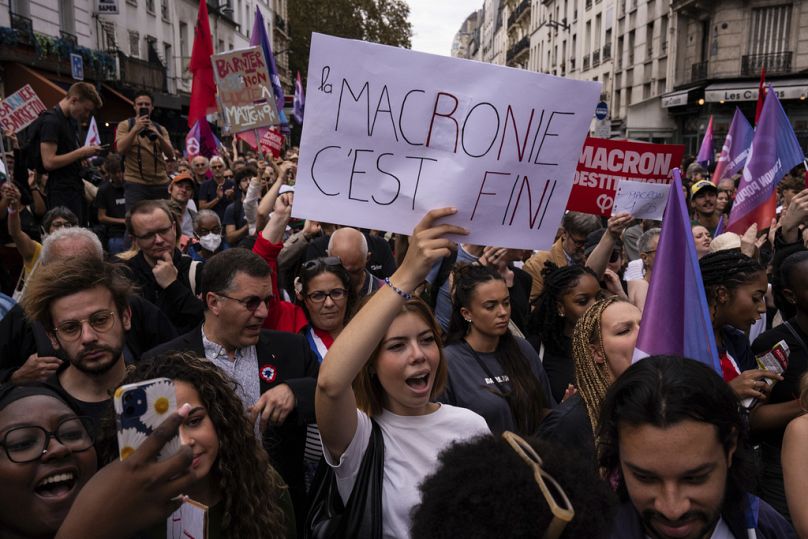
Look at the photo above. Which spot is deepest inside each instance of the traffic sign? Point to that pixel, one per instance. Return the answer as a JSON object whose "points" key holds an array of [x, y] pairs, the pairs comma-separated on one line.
{"points": [[77, 66], [602, 110]]}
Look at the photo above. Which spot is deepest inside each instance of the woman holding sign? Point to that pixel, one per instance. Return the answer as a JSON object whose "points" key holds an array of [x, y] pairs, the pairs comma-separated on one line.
{"points": [[383, 372]]}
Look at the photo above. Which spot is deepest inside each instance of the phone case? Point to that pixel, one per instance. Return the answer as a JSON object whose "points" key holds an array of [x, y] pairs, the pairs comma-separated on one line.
{"points": [[139, 409]]}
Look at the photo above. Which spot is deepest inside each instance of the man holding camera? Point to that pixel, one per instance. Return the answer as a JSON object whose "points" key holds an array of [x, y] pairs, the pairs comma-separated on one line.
{"points": [[143, 145]]}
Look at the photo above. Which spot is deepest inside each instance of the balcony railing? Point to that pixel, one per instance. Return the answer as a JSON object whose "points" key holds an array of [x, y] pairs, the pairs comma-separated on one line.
{"points": [[142, 74], [596, 58], [586, 62], [607, 51], [517, 48], [698, 71], [24, 27], [775, 63], [518, 12], [69, 38]]}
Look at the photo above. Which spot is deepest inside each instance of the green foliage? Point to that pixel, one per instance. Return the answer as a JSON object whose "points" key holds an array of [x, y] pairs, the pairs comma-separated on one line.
{"points": [[379, 21]]}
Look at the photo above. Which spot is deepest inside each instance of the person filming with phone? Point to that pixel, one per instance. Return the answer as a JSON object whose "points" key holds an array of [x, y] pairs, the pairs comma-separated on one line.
{"points": [[143, 145]]}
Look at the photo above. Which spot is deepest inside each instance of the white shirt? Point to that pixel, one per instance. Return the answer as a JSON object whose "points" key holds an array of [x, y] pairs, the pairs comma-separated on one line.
{"points": [[411, 447]]}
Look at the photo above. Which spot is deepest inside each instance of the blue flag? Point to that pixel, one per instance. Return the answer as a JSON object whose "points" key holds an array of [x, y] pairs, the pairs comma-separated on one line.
{"points": [[676, 320], [259, 37]]}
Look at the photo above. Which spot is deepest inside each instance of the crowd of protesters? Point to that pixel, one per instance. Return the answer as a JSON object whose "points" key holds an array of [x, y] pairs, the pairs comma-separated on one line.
{"points": [[494, 387]]}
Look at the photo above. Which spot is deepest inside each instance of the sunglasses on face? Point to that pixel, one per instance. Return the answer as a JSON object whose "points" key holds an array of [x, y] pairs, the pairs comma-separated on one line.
{"points": [[251, 303], [318, 263]]}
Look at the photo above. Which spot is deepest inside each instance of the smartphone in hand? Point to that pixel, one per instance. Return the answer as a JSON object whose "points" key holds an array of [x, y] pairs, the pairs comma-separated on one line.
{"points": [[139, 409]]}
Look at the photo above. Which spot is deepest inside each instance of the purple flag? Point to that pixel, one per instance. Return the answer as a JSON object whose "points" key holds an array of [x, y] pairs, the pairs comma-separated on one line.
{"points": [[300, 100], [706, 152], [676, 320], [200, 140], [259, 37], [774, 151], [736, 147]]}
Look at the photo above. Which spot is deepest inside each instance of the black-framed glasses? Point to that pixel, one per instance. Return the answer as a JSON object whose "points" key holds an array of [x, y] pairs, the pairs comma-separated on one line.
{"points": [[29, 443], [317, 263], [251, 303], [164, 233], [100, 321], [559, 503], [336, 294]]}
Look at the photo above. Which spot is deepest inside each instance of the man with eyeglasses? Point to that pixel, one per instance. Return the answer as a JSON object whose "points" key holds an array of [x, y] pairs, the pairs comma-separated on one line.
{"points": [[83, 304], [568, 249], [276, 371], [164, 276], [217, 193]]}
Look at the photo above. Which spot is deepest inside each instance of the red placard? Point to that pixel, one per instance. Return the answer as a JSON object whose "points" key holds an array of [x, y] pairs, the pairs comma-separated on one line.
{"points": [[603, 163], [272, 142]]}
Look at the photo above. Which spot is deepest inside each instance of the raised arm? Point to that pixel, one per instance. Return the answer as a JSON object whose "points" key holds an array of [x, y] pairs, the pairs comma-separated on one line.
{"points": [[598, 259], [335, 402]]}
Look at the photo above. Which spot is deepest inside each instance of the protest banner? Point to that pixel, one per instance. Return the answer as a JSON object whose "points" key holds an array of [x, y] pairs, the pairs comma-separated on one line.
{"points": [[643, 200], [272, 142], [244, 90], [383, 145], [20, 109], [603, 163]]}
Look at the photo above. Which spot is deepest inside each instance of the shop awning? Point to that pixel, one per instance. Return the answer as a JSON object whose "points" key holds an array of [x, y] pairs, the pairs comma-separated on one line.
{"points": [[748, 91], [675, 99]]}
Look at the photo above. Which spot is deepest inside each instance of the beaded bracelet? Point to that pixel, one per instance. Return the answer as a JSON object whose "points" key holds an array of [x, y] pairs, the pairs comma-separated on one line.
{"points": [[397, 290]]}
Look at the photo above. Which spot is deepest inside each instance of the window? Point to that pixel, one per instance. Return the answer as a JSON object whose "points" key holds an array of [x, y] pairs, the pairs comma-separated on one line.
{"points": [[150, 6], [184, 41], [770, 30], [67, 17], [134, 44], [21, 7], [164, 11]]}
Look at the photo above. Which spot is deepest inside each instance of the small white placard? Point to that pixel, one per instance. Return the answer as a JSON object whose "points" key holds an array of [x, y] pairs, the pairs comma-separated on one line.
{"points": [[642, 200]]}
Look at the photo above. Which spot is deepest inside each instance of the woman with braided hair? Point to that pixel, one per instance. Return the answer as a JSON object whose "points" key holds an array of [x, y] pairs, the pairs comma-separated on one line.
{"points": [[568, 292], [492, 372], [602, 347], [736, 287]]}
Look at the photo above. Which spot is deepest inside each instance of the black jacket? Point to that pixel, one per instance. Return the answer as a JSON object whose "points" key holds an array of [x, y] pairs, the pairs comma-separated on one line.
{"points": [[295, 366], [19, 338], [177, 301]]}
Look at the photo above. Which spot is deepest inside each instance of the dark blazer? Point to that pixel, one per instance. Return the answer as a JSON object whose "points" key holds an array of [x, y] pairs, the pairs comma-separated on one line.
{"points": [[294, 364]]}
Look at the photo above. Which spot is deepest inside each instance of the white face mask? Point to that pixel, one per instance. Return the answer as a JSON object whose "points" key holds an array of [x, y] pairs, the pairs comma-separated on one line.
{"points": [[210, 241]]}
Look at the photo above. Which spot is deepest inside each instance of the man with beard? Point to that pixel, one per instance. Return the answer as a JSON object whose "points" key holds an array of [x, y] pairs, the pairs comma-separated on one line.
{"points": [[84, 306], [672, 437], [703, 196]]}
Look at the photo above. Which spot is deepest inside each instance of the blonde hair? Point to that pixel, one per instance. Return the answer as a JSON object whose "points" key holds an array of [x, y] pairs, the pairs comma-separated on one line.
{"points": [[593, 378], [370, 395]]}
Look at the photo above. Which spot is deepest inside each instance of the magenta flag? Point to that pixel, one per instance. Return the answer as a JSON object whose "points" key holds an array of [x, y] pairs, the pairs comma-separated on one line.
{"points": [[774, 151], [706, 153], [735, 149]]}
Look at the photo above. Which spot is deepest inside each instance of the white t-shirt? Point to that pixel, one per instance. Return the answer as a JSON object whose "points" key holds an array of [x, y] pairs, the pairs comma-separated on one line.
{"points": [[411, 447]]}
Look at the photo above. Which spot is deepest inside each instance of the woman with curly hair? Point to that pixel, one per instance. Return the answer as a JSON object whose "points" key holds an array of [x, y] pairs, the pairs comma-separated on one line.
{"points": [[602, 348], [491, 372], [246, 497], [568, 292]]}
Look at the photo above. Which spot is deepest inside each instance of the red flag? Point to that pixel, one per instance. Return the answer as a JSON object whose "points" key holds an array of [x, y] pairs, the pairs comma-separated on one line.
{"points": [[203, 89], [761, 94]]}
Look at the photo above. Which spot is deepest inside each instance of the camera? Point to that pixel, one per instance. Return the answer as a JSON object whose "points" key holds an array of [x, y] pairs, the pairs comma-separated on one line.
{"points": [[148, 133]]}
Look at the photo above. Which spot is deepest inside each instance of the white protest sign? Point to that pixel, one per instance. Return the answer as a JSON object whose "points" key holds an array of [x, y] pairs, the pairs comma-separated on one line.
{"points": [[641, 199], [190, 521], [392, 133]]}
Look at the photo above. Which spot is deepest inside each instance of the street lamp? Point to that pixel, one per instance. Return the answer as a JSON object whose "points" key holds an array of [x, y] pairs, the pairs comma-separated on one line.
{"points": [[220, 10], [558, 24]]}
